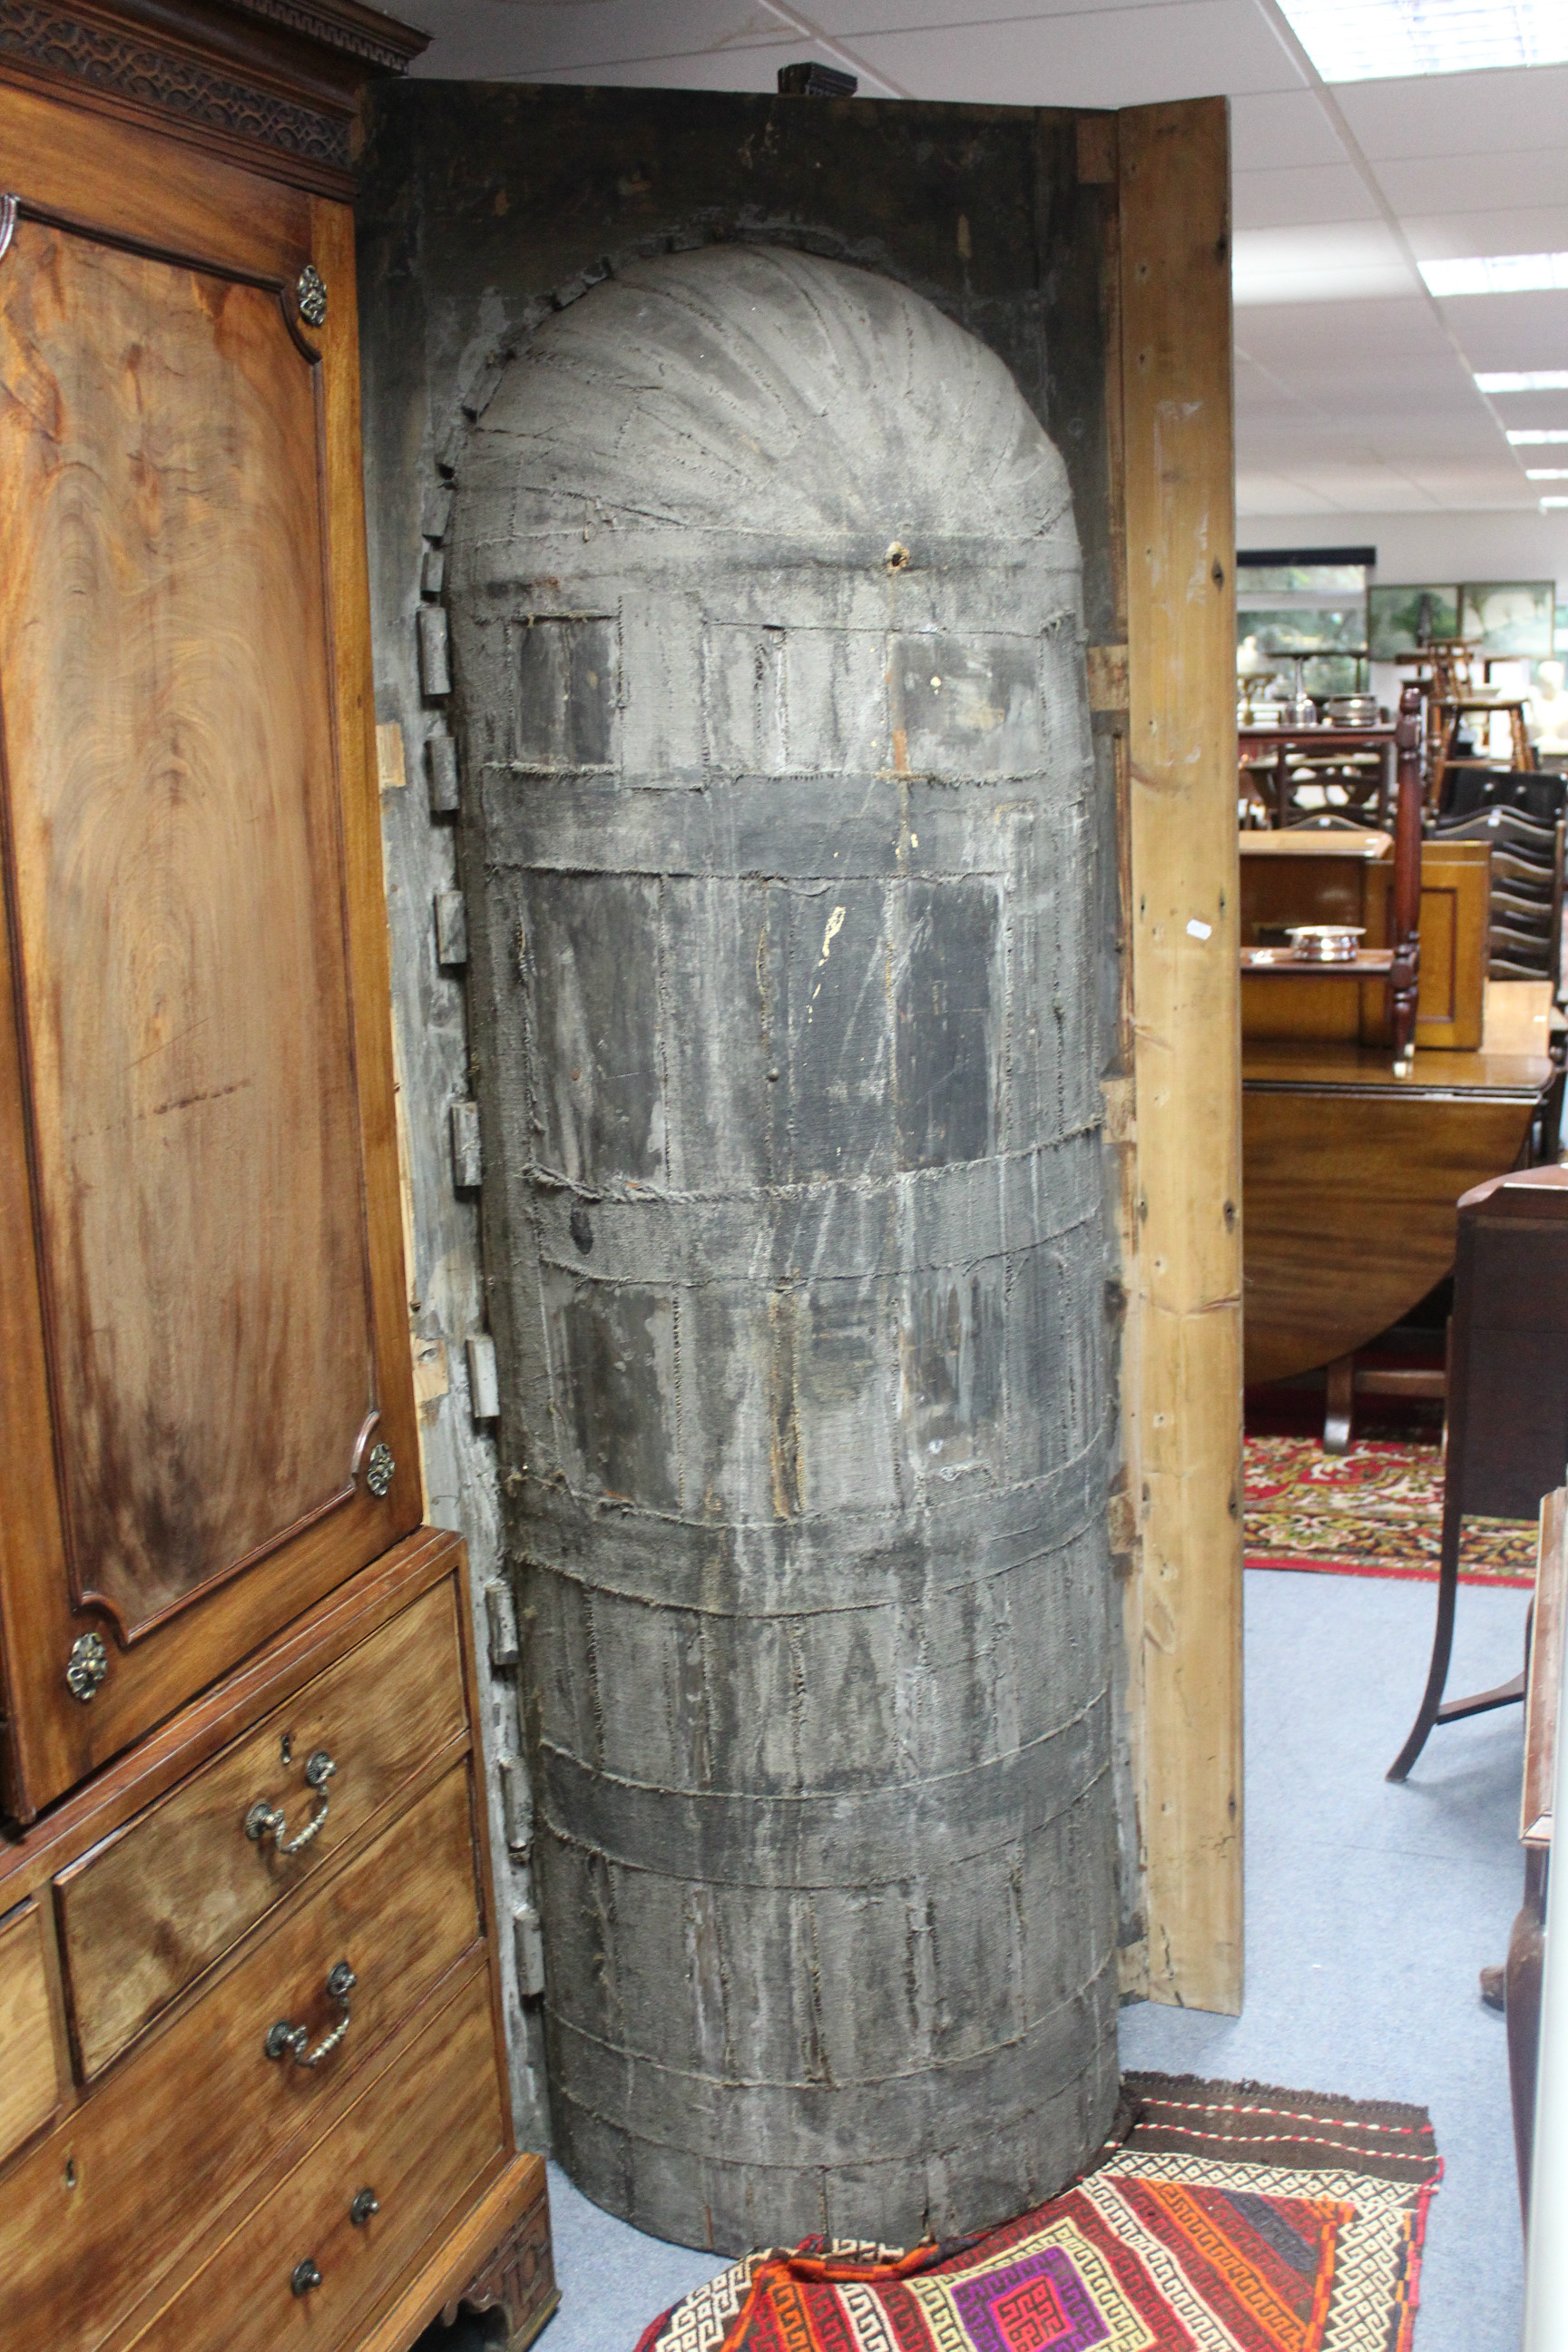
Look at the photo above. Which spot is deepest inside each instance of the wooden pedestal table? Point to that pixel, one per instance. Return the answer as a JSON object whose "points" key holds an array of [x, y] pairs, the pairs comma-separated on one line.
{"points": [[1350, 1177]]}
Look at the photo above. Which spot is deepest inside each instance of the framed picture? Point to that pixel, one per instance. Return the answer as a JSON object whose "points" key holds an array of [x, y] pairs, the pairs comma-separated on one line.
{"points": [[1402, 620], [1508, 616]]}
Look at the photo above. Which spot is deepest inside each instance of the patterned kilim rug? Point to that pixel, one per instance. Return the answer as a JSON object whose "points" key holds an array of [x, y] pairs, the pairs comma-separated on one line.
{"points": [[1374, 1511], [1220, 2218]]}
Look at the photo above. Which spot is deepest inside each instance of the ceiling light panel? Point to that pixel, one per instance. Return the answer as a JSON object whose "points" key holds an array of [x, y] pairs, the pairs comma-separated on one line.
{"points": [[1546, 473], [1537, 437], [1497, 273], [1530, 380], [1383, 40]]}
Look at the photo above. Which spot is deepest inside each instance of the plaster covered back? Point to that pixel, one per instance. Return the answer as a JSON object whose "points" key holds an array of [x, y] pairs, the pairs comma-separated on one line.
{"points": [[765, 611]]}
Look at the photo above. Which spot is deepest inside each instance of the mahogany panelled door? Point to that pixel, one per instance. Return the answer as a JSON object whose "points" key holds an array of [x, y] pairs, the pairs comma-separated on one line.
{"points": [[203, 1373]]}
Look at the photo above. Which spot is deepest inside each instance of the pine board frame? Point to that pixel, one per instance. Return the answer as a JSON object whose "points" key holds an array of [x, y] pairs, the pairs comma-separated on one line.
{"points": [[1175, 1122]]}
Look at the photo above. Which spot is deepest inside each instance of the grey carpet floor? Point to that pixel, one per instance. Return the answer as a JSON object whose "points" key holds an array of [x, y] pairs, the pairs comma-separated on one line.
{"points": [[1369, 1911]]}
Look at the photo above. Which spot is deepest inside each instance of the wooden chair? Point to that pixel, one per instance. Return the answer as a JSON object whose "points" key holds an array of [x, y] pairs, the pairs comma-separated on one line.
{"points": [[1507, 1442]]}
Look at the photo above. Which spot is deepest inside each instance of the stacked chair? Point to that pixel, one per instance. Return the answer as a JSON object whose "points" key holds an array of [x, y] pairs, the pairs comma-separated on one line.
{"points": [[1524, 829]]}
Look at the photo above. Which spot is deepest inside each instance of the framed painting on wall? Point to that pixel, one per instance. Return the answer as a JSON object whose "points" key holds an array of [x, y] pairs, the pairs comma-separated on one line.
{"points": [[1403, 620], [1508, 616]]}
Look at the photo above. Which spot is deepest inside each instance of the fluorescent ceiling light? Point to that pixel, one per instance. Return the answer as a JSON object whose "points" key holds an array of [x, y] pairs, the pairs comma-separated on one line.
{"points": [[1379, 40], [1497, 273], [1545, 503], [1546, 473], [1537, 436], [1532, 380]]}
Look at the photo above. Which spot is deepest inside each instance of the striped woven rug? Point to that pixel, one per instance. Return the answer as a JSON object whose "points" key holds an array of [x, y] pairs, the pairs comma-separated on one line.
{"points": [[1219, 2217], [1374, 1511]]}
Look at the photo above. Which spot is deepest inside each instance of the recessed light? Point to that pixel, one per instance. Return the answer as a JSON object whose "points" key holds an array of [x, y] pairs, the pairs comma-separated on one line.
{"points": [[1537, 438], [1497, 273], [1377, 40], [1532, 380], [1545, 503], [1546, 473]]}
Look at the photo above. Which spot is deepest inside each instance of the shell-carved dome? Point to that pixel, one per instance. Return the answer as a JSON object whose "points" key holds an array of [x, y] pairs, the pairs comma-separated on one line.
{"points": [[746, 387]]}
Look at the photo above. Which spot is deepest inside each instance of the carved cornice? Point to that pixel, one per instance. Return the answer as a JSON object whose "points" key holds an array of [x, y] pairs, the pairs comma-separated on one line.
{"points": [[132, 69], [380, 41]]}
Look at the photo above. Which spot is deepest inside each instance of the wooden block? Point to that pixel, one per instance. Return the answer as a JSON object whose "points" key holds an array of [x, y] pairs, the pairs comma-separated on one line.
{"points": [[451, 927], [391, 772], [434, 667], [468, 1155], [1107, 668], [484, 1385]]}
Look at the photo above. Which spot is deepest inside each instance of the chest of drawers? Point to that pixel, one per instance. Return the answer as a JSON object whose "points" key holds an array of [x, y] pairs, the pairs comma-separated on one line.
{"points": [[256, 2096]]}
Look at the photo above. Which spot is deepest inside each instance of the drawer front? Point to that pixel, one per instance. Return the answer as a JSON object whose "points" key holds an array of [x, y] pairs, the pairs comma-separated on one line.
{"points": [[143, 1914], [96, 2211], [29, 2077], [418, 2142]]}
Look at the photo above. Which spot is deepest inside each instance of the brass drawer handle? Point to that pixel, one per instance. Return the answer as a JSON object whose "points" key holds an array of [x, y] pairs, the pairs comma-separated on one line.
{"points": [[286, 2041], [266, 1821], [364, 2205], [306, 2276]]}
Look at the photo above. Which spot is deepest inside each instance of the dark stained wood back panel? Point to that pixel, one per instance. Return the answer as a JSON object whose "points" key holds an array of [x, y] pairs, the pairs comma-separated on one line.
{"points": [[175, 877]]}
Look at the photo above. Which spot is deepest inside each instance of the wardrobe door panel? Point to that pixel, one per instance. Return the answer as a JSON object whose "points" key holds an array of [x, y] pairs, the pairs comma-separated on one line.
{"points": [[177, 886], [214, 1302]]}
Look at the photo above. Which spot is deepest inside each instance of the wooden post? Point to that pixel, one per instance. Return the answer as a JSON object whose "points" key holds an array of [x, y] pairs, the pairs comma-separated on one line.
{"points": [[1186, 1273], [1404, 972]]}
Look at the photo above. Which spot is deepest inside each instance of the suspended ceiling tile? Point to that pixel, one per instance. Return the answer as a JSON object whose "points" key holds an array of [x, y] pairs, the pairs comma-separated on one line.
{"points": [[1272, 493], [1336, 335], [1285, 199], [1501, 180], [1510, 331], [849, 19], [1441, 237], [1458, 114], [1282, 129], [1108, 56], [511, 40], [1327, 262]]}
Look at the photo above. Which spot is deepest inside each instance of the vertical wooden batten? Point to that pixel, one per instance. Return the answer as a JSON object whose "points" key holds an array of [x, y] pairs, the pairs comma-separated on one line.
{"points": [[1183, 1347]]}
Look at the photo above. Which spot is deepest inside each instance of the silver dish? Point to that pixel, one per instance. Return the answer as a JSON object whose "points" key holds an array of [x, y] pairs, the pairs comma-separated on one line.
{"points": [[1352, 710], [1326, 942]]}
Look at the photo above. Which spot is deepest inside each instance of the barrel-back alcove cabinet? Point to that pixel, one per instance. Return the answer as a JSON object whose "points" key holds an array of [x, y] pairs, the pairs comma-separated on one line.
{"points": [[767, 634]]}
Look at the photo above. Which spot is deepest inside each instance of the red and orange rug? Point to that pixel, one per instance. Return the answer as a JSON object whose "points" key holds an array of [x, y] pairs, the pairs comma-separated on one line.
{"points": [[1222, 2218], [1374, 1511]]}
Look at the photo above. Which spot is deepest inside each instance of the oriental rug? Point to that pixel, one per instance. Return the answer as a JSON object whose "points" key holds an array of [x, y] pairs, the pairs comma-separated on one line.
{"points": [[1374, 1511], [1219, 2217]]}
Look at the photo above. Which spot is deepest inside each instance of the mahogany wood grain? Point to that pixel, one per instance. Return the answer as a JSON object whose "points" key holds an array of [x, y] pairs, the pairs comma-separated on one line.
{"points": [[144, 1914], [30, 1858], [129, 180], [1352, 1179], [421, 2136], [176, 884], [199, 2110], [217, 903], [518, 2200], [29, 2078]]}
